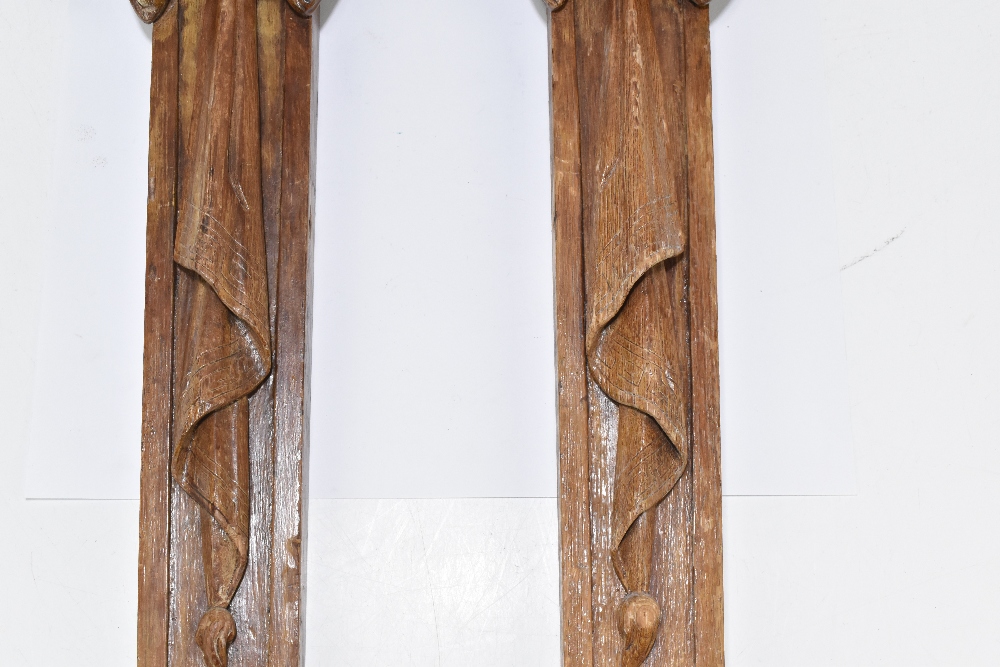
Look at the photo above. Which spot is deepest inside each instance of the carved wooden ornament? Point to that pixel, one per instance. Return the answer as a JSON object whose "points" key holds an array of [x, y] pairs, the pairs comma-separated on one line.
{"points": [[225, 394], [636, 331], [225, 389]]}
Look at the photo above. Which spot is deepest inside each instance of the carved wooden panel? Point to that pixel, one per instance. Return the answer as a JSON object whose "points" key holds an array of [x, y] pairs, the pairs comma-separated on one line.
{"points": [[226, 366], [636, 328], [225, 390]]}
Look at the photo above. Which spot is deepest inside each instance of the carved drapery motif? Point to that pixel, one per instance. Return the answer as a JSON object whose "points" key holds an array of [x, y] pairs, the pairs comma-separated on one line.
{"points": [[224, 405], [222, 346], [634, 231]]}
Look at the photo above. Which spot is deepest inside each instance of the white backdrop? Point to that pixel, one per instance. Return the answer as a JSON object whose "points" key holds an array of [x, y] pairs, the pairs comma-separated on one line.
{"points": [[903, 573]]}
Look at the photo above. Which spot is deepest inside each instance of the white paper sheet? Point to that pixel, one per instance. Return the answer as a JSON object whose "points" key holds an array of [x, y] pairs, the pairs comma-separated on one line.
{"points": [[433, 245]]}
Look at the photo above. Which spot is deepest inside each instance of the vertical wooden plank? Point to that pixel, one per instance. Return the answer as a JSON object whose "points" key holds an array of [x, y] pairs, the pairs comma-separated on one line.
{"points": [[574, 464], [154, 483], [251, 604], [705, 459], [672, 566], [187, 582], [607, 589], [292, 340], [267, 607], [672, 585], [591, 23], [673, 552], [271, 60]]}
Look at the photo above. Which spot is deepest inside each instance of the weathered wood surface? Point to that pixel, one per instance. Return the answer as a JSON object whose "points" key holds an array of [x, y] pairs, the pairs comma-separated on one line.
{"points": [[574, 464], [681, 560], [703, 298], [267, 606], [154, 504], [293, 336]]}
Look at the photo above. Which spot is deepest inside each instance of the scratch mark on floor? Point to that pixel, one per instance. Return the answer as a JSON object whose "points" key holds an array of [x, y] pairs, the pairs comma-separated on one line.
{"points": [[430, 586], [885, 244]]}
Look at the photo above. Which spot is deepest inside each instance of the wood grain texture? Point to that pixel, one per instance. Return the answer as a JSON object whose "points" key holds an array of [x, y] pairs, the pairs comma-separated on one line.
{"points": [[706, 434], [154, 505], [675, 547], [293, 336], [267, 606], [574, 464]]}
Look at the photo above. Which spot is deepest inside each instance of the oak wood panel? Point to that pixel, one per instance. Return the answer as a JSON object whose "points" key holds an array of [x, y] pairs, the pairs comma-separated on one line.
{"points": [[574, 465], [154, 504], [267, 606], [188, 599], [607, 590], [672, 581], [187, 581], [706, 440], [686, 570], [293, 338]]}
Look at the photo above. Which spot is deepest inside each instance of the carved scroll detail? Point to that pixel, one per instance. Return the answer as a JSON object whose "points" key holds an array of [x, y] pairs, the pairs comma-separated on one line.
{"points": [[224, 404], [304, 7], [636, 329], [222, 345], [150, 10]]}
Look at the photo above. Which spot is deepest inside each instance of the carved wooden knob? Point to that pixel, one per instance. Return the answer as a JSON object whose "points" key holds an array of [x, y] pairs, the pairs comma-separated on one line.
{"points": [[149, 10], [216, 631], [638, 622], [304, 7]]}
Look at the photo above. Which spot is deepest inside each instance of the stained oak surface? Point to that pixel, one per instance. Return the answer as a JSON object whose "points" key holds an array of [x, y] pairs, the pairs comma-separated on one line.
{"points": [[154, 507], [268, 605], [687, 541], [686, 525], [574, 463]]}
